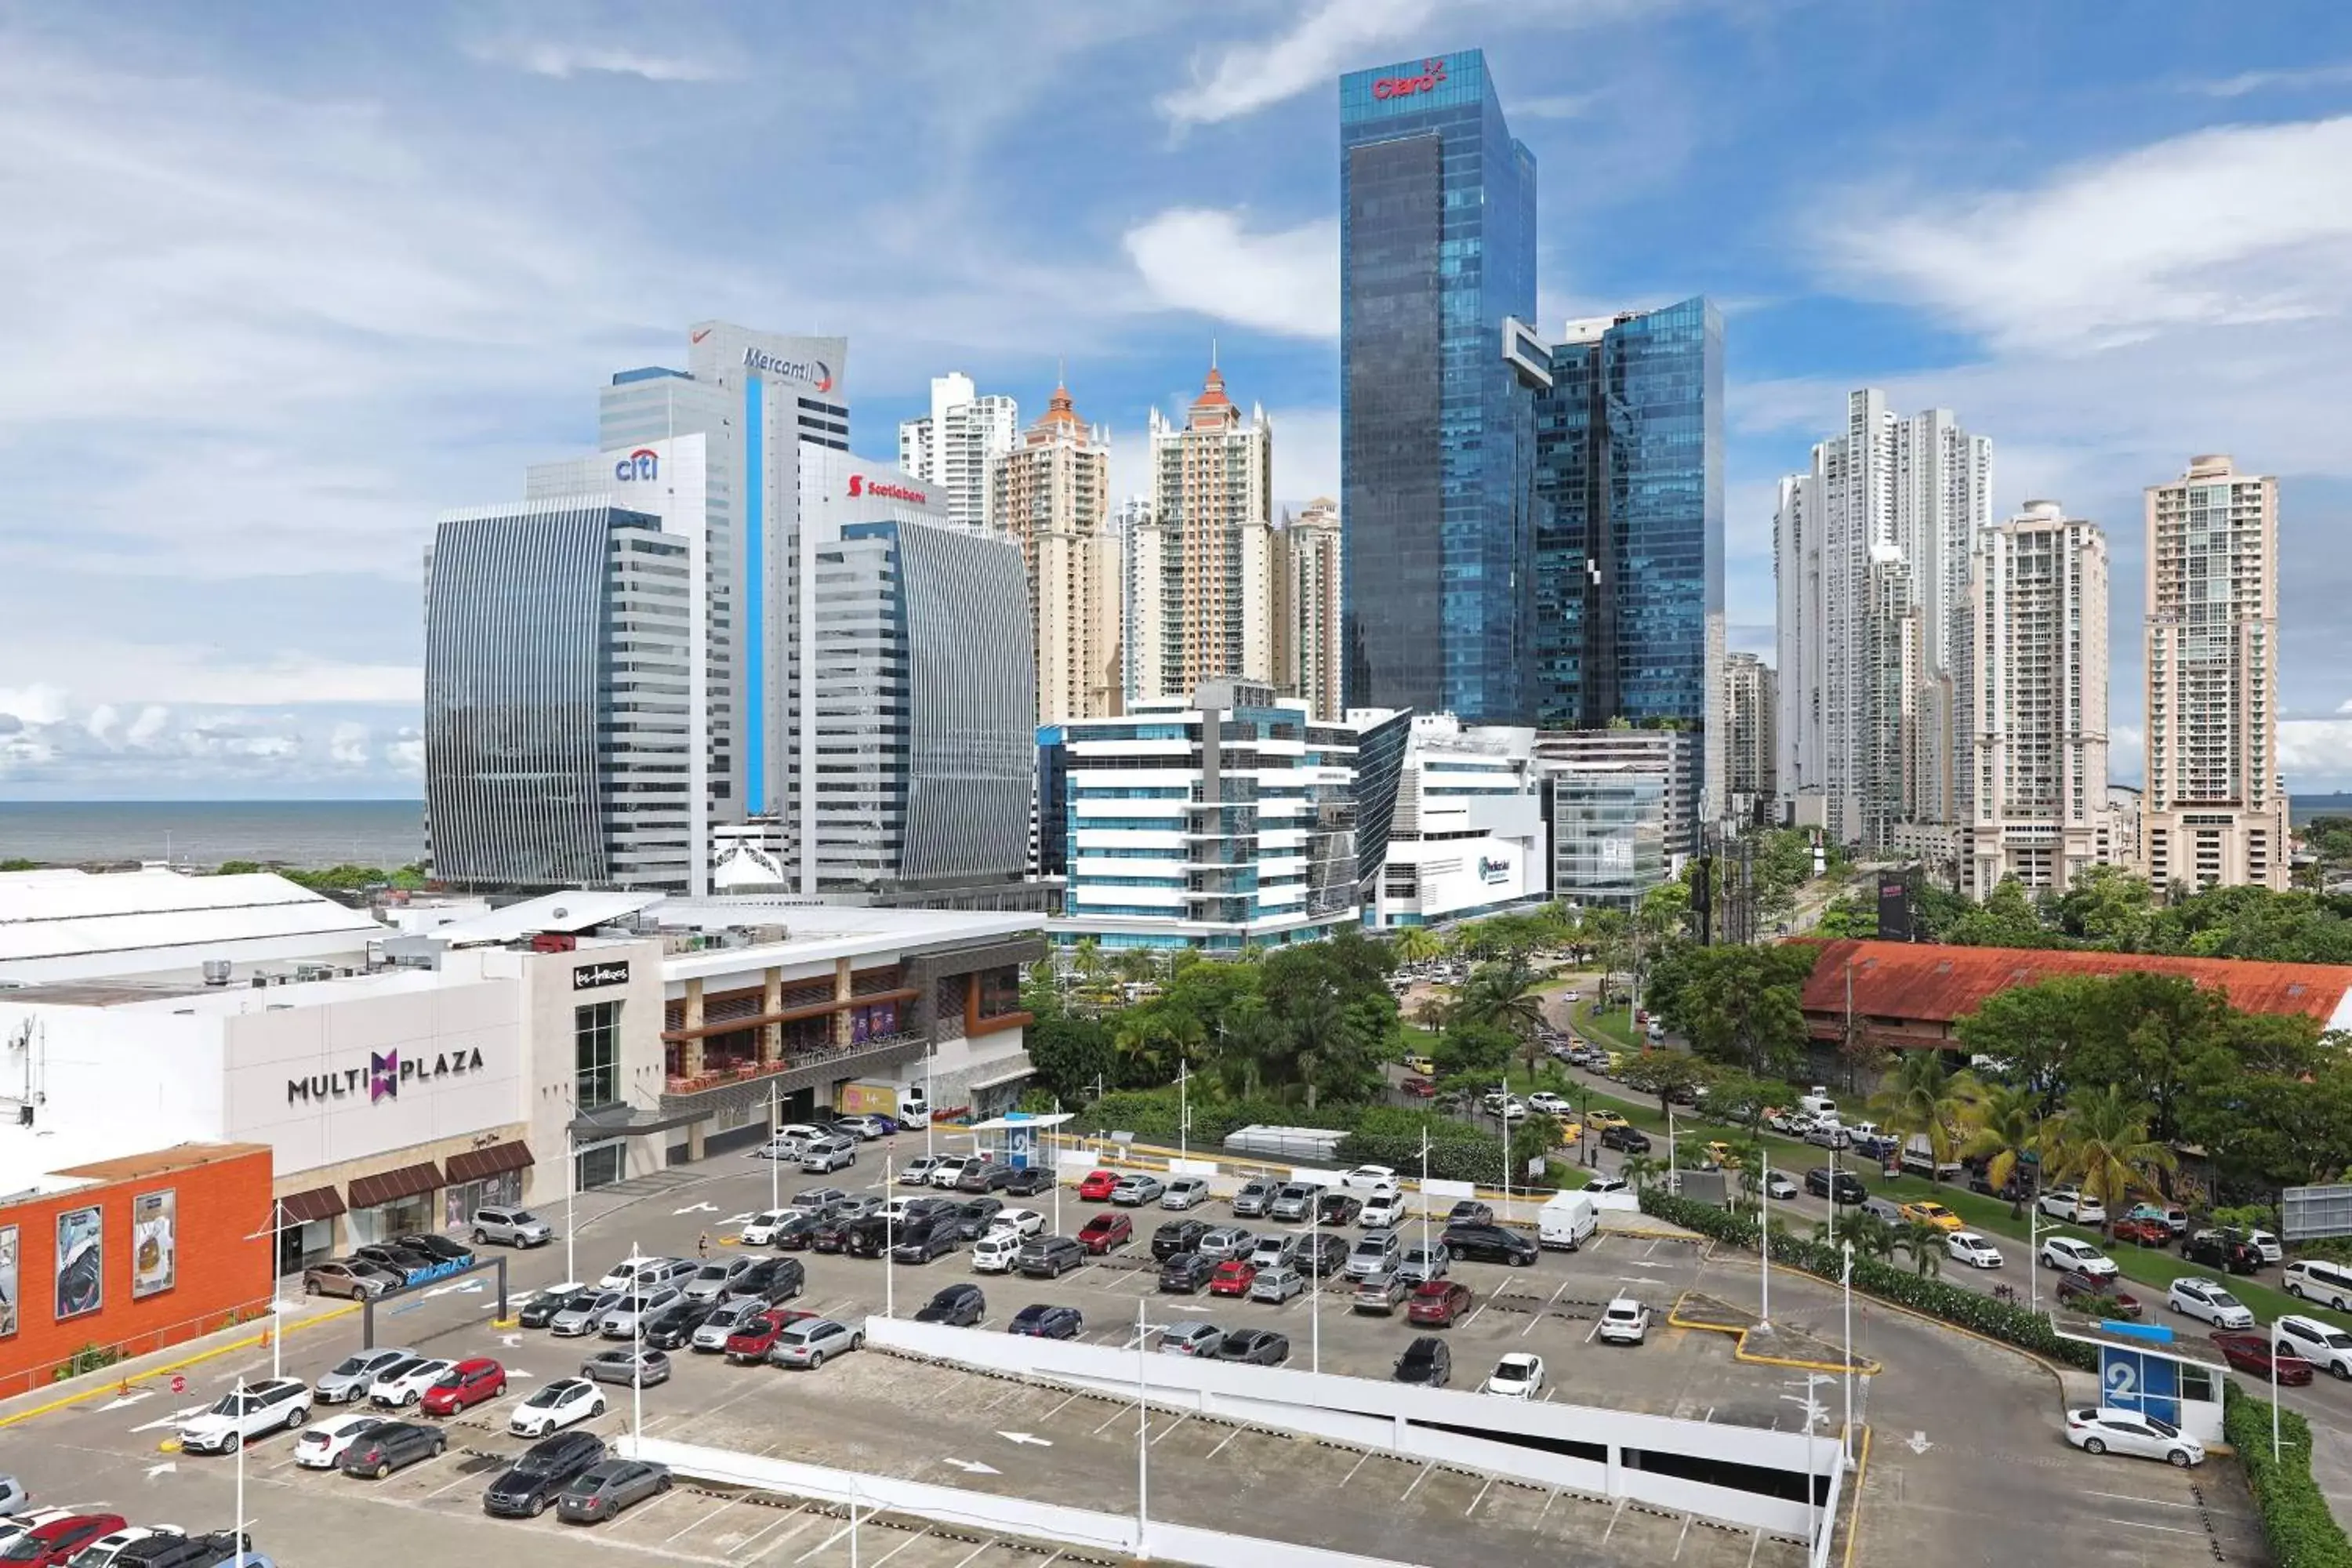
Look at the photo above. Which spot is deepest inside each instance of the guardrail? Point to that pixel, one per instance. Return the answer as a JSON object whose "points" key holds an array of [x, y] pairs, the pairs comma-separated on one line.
{"points": [[96, 1358]]}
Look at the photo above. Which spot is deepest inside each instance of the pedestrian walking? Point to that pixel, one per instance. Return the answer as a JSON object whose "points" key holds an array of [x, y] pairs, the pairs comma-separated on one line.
{"points": [[702, 1247]]}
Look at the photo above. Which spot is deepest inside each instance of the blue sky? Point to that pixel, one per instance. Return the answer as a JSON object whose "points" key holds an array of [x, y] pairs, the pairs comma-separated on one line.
{"points": [[282, 281]]}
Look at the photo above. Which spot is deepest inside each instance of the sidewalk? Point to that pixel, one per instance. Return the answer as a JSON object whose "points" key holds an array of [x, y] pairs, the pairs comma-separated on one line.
{"points": [[152, 1373]]}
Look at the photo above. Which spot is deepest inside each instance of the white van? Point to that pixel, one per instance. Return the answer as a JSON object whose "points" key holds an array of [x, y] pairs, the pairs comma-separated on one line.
{"points": [[994, 1252], [1565, 1221], [2316, 1279], [1819, 1105]]}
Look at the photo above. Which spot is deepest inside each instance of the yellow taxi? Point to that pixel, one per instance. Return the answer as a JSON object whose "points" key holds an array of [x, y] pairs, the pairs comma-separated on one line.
{"points": [[1571, 1131], [1718, 1154], [1925, 1213], [1602, 1121], [1421, 1065]]}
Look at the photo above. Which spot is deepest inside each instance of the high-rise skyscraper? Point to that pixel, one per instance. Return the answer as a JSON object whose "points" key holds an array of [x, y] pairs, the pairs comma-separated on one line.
{"points": [[1307, 557], [1206, 556], [1438, 368], [952, 446], [1628, 560], [1870, 553], [1749, 696], [2033, 724], [1051, 496], [2216, 809]]}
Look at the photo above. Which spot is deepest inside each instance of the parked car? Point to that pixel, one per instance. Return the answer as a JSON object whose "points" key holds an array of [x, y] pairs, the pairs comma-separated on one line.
{"points": [[530, 1486], [623, 1365], [1370, 1179], [1382, 1293], [1779, 1188], [565, 1402], [1375, 1252], [1427, 1361], [710, 1282], [1251, 1201], [323, 1444], [1197, 1339], [959, 1306], [440, 1248], [536, 1313], [471, 1381], [609, 1488], [826, 1156], [798, 1232], [391, 1446], [647, 1274], [867, 1126], [973, 1217], [2078, 1289], [2215, 1251], [1337, 1208], [1105, 1232], [1042, 1321], [722, 1325], [1185, 1192], [1276, 1285], [1226, 1241], [673, 1327], [1050, 1256], [1470, 1211], [1185, 1273], [1518, 1375], [2317, 1343], [918, 1171], [769, 1282], [1419, 1264], [1096, 1186], [926, 1238], [621, 1320], [2072, 1204], [114, 1546], [983, 1174], [1136, 1189], [2065, 1253], [1438, 1303], [1322, 1256], [1975, 1250], [1625, 1140], [350, 1277], [510, 1228], [1029, 1181], [2319, 1280], [2102, 1430], [807, 1343], [787, 1142], [1382, 1211], [1020, 1222], [2207, 1299], [1291, 1200], [1234, 1277], [756, 1336], [2142, 1232], [2262, 1241], [1177, 1235], [1489, 1243], [238, 1417], [1828, 1135], [1624, 1322], [354, 1374], [414, 1268], [2251, 1353], [1257, 1347]]}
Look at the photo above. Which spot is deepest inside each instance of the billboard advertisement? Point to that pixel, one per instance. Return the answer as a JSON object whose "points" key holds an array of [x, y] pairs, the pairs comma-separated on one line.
{"points": [[81, 1263], [154, 1243], [868, 1099], [8, 1280]]}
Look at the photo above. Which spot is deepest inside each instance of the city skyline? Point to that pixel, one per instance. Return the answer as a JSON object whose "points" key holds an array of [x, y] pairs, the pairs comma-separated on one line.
{"points": [[228, 541]]}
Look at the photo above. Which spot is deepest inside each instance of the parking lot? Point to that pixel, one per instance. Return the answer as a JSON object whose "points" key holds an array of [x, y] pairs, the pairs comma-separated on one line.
{"points": [[1967, 1455]]}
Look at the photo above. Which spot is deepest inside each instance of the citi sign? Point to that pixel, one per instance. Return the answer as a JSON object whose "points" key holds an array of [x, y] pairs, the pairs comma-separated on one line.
{"points": [[859, 485], [1432, 74], [644, 463], [815, 372]]}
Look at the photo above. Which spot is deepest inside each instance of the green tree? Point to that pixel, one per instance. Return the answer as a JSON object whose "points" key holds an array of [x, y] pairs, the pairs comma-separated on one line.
{"points": [[1848, 916], [1738, 1006], [2006, 918], [2103, 1146], [1416, 945], [1662, 1073], [2108, 906], [1072, 1055], [2003, 1128], [1924, 1098], [1503, 995], [1925, 1245]]}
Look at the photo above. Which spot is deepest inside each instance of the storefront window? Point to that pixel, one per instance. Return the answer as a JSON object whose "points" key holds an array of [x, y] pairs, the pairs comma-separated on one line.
{"points": [[602, 1165], [301, 1246], [873, 1023], [402, 1216], [596, 1037], [459, 1202]]}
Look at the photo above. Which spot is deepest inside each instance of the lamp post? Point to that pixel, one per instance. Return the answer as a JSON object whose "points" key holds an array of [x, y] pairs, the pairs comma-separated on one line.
{"points": [[775, 1166], [237, 1527], [1314, 1285], [1506, 1113], [2033, 1258], [636, 1357], [2274, 1391], [1183, 1108], [1142, 1441], [1764, 1241], [889, 1243], [571, 1180], [1845, 1283], [1424, 1197]]}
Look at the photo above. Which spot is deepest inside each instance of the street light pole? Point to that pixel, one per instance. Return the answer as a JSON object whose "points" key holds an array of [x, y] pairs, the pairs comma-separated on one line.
{"points": [[276, 1305], [237, 1528], [1424, 1197], [889, 1246], [1845, 1442], [1142, 1441], [571, 1180], [1764, 1234], [1314, 1287], [775, 1166], [637, 1356], [2274, 1391], [1183, 1108]]}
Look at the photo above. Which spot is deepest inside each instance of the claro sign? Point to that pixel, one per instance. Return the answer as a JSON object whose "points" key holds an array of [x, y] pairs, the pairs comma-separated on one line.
{"points": [[1431, 76], [384, 1076]]}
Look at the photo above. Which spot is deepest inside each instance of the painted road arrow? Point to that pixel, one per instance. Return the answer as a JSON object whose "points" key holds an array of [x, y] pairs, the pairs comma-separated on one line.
{"points": [[1025, 1437], [165, 1468], [129, 1399], [173, 1419], [1917, 1443], [696, 1208], [973, 1467]]}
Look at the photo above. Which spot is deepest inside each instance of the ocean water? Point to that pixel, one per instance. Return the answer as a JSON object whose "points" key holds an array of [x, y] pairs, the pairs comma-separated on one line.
{"points": [[203, 833]]}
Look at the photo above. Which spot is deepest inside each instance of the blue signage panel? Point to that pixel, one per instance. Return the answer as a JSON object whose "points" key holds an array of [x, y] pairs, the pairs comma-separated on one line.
{"points": [[1018, 1143], [2138, 1380]]}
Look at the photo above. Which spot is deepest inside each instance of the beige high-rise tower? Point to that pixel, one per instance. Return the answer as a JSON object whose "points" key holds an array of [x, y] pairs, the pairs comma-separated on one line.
{"points": [[1306, 608], [1205, 558], [1051, 495], [2216, 812]]}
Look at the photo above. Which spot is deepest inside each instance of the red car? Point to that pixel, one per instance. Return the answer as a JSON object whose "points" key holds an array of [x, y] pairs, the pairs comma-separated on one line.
{"points": [[1234, 1277], [1106, 1231], [2252, 1353], [1096, 1188], [1421, 1088], [467, 1384], [2146, 1232], [1436, 1303], [50, 1543], [2079, 1287], [755, 1339]]}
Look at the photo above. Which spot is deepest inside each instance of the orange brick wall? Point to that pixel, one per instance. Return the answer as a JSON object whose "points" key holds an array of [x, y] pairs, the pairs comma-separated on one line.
{"points": [[221, 1202]]}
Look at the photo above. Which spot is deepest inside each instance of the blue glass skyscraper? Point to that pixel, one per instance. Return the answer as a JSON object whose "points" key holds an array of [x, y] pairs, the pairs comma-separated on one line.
{"points": [[1629, 544], [1438, 372]]}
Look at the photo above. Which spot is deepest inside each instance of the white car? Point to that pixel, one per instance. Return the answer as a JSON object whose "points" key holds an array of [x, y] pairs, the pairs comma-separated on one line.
{"points": [[1370, 1179], [788, 1143], [1020, 1222], [558, 1404], [1549, 1103], [2266, 1243], [652, 1273], [1382, 1210], [761, 1230], [1972, 1249], [711, 1336], [1624, 1322], [321, 1447], [2107, 1429], [2195, 1298], [1518, 1376], [101, 1552], [2068, 1203], [1779, 1188], [2064, 1253], [918, 1173], [943, 1175], [1603, 1186], [1185, 1192], [2317, 1343], [405, 1384], [273, 1404], [623, 1317]]}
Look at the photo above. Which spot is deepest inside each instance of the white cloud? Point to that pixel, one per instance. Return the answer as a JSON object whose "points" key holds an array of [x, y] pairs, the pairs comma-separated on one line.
{"points": [[1242, 79], [2229, 227], [1203, 259], [2291, 80], [2315, 753], [349, 744], [36, 704], [1554, 106], [562, 57]]}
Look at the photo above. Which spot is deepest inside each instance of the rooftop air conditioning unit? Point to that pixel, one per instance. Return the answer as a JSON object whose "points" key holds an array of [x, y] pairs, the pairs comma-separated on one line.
{"points": [[216, 970]]}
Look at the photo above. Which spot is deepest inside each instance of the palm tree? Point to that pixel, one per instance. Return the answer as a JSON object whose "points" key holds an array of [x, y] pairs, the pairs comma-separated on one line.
{"points": [[1928, 1099], [1249, 1045], [1503, 995], [2102, 1145], [1872, 1237], [1925, 1243], [2002, 1129], [1639, 1169], [1092, 970], [1416, 945]]}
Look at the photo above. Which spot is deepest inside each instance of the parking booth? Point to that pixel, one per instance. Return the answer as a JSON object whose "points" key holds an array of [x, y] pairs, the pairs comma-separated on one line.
{"points": [[2148, 1368]]}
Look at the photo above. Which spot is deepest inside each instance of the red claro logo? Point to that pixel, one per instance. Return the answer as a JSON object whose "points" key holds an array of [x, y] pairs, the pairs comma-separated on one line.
{"points": [[859, 485], [1433, 72]]}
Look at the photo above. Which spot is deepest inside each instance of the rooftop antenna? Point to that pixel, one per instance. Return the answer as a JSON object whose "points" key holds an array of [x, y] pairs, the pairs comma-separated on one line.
{"points": [[1212, 350]]}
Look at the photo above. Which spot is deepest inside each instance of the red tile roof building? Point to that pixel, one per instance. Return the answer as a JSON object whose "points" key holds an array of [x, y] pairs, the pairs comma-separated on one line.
{"points": [[1911, 994]]}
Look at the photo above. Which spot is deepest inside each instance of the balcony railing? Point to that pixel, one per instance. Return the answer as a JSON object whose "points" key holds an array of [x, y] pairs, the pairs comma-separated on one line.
{"points": [[790, 1061]]}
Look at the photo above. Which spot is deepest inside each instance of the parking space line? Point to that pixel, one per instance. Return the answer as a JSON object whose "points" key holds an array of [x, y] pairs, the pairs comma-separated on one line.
{"points": [[1680, 1541], [1171, 1426], [797, 1510], [1360, 1461], [2141, 1502], [2142, 1524], [451, 1486], [1417, 1480], [902, 1546], [1479, 1498], [1059, 1408], [1613, 1523], [976, 1552], [1221, 1446], [706, 1518], [1123, 1413]]}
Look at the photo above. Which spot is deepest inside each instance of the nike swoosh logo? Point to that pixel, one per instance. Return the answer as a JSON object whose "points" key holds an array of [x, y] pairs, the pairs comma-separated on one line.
{"points": [[702, 334]]}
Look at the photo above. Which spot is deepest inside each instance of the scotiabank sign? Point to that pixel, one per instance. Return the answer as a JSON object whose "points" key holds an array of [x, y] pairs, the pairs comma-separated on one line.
{"points": [[859, 485], [1432, 73]]}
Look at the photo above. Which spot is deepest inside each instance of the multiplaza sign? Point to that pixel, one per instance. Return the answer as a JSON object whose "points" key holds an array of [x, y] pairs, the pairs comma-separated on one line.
{"points": [[1432, 77], [381, 1078], [815, 372]]}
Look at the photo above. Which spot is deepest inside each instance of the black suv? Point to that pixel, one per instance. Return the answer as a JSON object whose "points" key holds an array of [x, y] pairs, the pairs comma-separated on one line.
{"points": [[438, 1246], [1321, 1255], [1185, 1273], [1337, 1208], [1843, 1186], [869, 1236], [1177, 1235], [959, 1306], [771, 1280], [1029, 1181], [171, 1550], [1470, 1211], [974, 1218], [1426, 1361], [1488, 1244], [392, 1445], [547, 1303], [2215, 1251], [1625, 1140], [921, 1240], [670, 1327], [528, 1489], [1049, 1257]]}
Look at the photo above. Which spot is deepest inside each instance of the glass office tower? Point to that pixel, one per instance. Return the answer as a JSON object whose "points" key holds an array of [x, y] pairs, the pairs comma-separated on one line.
{"points": [[1437, 373], [1628, 547]]}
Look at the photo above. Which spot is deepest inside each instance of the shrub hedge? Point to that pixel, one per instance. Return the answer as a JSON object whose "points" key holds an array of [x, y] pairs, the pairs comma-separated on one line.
{"points": [[2302, 1534], [1964, 1309]]}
